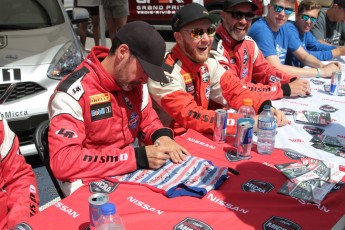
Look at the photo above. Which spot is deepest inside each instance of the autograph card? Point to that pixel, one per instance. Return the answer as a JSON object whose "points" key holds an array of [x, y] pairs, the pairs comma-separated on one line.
{"points": [[311, 117]]}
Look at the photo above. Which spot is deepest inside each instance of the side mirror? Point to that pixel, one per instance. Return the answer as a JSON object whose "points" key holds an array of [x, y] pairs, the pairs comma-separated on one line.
{"points": [[79, 15]]}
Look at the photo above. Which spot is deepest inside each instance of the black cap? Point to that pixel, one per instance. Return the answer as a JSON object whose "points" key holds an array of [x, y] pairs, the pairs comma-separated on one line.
{"points": [[147, 45], [340, 2], [231, 3], [190, 13]]}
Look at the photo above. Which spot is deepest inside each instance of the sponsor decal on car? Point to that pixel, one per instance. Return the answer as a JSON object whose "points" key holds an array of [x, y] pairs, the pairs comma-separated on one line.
{"points": [[3, 41], [11, 75], [11, 114]]}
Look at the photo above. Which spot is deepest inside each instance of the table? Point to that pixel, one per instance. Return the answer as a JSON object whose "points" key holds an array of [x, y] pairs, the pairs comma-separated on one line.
{"points": [[247, 201], [294, 137]]}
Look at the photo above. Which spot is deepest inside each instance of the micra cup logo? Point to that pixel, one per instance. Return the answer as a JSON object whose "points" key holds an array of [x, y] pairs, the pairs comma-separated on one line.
{"points": [[277, 222], [103, 186], [192, 224], [257, 186]]}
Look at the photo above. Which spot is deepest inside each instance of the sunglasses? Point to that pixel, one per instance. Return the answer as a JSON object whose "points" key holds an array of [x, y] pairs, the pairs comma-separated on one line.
{"points": [[279, 9], [306, 17], [197, 33], [238, 15]]}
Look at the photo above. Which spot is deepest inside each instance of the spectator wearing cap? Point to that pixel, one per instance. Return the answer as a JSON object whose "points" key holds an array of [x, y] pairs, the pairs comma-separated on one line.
{"points": [[306, 17], [246, 59], [98, 111], [196, 79], [330, 26], [274, 39]]}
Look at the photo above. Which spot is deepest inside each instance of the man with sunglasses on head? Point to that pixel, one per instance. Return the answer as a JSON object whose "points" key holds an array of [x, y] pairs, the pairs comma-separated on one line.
{"points": [[306, 17], [330, 26], [274, 39], [196, 79], [246, 59], [97, 112]]}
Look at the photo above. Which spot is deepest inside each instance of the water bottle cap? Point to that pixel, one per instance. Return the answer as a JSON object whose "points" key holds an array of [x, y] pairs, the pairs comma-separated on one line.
{"points": [[247, 102], [108, 209]]}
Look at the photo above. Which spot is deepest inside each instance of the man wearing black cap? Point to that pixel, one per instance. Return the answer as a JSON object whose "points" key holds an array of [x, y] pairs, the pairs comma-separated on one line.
{"points": [[196, 78], [330, 26], [98, 111], [246, 59]]}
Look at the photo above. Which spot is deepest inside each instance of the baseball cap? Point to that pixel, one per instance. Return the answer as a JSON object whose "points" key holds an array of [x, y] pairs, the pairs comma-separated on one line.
{"points": [[231, 3], [190, 13], [147, 45], [340, 2]]}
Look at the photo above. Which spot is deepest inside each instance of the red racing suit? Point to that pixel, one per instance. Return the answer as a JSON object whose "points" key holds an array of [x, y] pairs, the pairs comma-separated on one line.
{"points": [[245, 58], [19, 193], [93, 123], [183, 103]]}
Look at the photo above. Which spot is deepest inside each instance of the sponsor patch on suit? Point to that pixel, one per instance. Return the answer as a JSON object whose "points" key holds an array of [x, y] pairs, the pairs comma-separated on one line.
{"points": [[101, 111]]}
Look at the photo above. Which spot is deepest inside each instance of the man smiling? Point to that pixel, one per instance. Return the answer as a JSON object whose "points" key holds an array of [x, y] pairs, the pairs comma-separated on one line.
{"points": [[306, 17], [196, 78], [246, 59], [275, 41]]}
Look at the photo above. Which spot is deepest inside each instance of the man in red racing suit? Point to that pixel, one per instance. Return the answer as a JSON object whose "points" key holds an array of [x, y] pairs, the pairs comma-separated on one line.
{"points": [[98, 111], [196, 78], [19, 193], [244, 57]]}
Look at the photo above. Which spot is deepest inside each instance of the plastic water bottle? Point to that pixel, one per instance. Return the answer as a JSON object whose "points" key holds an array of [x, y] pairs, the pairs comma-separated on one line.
{"points": [[247, 108], [110, 220], [266, 131]]}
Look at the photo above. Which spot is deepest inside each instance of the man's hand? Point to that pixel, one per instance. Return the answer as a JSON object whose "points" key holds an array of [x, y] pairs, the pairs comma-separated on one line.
{"points": [[165, 148], [299, 87], [280, 117], [327, 70]]}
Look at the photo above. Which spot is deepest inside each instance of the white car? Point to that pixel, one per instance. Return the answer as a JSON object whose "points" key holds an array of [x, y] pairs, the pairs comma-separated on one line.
{"points": [[38, 47]]}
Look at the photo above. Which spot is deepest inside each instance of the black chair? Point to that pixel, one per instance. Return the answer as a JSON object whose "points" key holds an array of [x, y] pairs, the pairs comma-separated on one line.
{"points": [[41, 143]]}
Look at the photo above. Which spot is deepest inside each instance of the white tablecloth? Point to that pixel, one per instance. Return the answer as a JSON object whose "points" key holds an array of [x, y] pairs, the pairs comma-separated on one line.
{"points": [[294, 137]]}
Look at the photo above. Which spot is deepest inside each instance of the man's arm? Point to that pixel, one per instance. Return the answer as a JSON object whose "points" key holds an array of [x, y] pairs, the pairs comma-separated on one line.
{"points": [[325, 71], [20, 182]]}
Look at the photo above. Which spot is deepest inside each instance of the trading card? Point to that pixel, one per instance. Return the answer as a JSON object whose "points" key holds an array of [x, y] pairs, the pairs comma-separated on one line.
{"points": [[317, 82], [288, 111], [313, 129]]}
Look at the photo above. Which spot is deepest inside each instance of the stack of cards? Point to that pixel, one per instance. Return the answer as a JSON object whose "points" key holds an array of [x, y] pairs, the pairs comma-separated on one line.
{"points": [[310, 179], [329, 144]]}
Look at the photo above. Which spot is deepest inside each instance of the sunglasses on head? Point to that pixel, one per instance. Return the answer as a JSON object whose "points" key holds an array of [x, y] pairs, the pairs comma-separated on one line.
{"points": [[238, 15], [279, 9], [197, 33], [306, 17]]}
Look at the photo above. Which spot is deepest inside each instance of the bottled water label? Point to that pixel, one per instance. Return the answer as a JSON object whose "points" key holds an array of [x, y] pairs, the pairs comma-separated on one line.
{"points": [[267, 125]]}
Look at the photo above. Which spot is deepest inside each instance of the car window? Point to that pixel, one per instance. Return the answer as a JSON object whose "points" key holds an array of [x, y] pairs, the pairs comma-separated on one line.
{"points": [[29, 14]]}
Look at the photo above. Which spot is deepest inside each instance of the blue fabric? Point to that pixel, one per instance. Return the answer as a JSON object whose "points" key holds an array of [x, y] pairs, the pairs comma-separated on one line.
{"points": [[321, 51], [273, 43]]}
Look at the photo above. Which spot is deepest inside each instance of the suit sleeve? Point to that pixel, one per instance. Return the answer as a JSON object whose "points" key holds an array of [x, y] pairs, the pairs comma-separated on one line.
{"points": [[20, 182]]}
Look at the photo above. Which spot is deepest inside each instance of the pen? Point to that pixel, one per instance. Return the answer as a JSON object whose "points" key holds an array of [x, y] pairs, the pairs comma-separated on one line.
{"points": [[233, 171]]}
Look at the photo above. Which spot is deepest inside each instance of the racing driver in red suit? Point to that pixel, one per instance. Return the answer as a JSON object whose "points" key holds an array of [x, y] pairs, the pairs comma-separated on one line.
{"points": [[196, 78], [98, 111], [19, 193], [245, 58]]}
